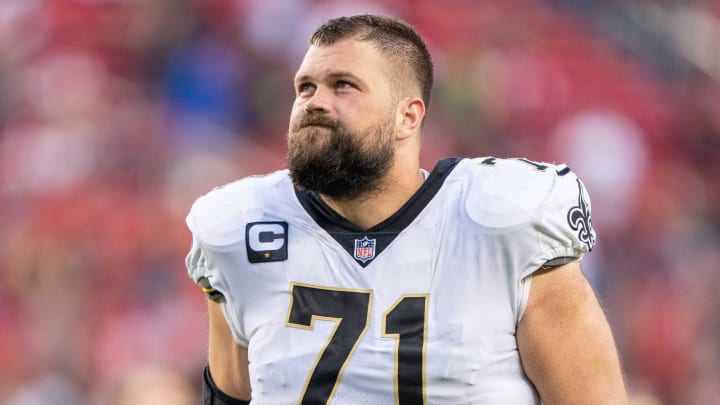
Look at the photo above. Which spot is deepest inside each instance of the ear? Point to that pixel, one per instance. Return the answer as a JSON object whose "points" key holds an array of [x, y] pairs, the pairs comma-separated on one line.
{"points": [[409, 117]]}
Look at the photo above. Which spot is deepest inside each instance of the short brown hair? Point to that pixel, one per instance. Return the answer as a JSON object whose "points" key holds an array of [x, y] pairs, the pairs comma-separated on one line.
{"points": [[394, 38]]}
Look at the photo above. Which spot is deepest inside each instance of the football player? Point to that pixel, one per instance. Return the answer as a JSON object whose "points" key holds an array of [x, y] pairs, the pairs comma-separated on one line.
{"points": [[356, 277]]}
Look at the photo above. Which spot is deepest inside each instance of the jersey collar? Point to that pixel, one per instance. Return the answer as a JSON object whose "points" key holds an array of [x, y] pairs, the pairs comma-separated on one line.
{"points": [[365, 245]]}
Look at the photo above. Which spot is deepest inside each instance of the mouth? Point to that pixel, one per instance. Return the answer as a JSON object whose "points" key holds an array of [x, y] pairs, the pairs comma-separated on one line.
{"points": [[317, 126]]}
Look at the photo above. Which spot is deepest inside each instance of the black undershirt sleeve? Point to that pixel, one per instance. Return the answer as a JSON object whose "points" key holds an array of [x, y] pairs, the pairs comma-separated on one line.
{"points": [[213, 396]]}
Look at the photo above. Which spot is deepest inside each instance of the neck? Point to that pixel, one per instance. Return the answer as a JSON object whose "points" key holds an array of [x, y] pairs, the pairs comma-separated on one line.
{"points": [[369, 210]]}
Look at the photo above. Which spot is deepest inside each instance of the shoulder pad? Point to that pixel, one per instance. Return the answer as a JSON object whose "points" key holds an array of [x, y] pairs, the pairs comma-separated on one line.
{"points": [[218, 217], [507, 192]]}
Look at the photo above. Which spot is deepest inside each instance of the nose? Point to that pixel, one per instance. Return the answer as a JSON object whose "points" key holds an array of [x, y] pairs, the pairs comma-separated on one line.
{"points": [[319, 101]]}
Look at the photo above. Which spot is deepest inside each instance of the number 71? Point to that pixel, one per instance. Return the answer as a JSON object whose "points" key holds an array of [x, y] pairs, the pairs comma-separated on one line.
{"points": [[350, 310]]}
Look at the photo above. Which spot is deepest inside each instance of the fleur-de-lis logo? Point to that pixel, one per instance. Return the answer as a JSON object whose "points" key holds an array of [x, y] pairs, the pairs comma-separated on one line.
{"points": [[579, 219]]}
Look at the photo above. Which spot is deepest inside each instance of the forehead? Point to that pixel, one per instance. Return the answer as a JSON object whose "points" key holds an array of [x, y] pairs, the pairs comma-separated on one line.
{"points": [[359, 58]]}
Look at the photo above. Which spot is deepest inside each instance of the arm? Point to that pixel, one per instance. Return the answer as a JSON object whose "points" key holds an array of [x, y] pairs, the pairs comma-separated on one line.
{"points": [[228, 361], [565, 342]]}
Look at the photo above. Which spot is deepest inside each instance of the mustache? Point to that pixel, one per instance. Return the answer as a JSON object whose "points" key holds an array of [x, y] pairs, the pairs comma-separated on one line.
{"points": [[315, 118]]}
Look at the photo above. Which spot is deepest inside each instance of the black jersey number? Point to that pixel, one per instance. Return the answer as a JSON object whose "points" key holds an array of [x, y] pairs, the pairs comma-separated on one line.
{"points": [[560, 170], [350, 310], [406, 321]]}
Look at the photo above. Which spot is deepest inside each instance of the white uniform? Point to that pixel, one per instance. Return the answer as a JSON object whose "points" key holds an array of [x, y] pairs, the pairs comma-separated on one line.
{"points": [[421, 308]]}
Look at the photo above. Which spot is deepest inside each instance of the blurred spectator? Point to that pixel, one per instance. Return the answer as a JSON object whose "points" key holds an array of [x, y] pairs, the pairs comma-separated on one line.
{"points": [[151, 386], [608, 150], [204, 82], [56, 389]]}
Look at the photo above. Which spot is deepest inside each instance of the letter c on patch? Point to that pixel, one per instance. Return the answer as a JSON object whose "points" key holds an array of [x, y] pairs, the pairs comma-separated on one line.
{"points": [[266, 241]]}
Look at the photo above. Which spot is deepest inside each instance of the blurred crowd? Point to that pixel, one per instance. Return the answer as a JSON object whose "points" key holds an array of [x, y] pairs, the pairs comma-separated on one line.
{"points": [[116, 115]]}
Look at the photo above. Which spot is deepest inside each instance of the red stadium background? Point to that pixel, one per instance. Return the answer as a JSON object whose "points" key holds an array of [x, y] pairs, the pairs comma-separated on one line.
{"points": [[116, 115]]}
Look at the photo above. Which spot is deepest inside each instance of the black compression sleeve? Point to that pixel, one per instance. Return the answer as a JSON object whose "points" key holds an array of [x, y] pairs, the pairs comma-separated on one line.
{"points": [[212, 394]]}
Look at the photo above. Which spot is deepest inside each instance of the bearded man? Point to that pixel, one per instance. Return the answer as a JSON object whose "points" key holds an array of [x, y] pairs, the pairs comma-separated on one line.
{"points": [[355, 276]]}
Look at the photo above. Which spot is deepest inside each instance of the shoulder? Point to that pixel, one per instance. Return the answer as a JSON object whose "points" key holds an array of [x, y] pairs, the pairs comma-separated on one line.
{"points": [[508, 192], [216, 218]]}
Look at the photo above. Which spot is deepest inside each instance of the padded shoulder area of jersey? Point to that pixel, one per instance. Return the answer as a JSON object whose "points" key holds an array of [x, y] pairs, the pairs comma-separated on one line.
{"points": [[503, 193], [218, 217]]}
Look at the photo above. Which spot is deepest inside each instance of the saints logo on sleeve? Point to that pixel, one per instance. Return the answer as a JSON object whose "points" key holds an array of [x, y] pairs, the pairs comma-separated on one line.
{"points": [[579, 218]]}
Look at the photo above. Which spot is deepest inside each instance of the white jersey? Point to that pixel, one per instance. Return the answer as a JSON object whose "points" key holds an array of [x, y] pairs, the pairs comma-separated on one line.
{"points": [[421, 308]]}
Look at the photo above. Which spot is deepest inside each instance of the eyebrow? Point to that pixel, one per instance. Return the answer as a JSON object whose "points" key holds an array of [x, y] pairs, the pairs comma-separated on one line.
{"points": [[331, 76]]}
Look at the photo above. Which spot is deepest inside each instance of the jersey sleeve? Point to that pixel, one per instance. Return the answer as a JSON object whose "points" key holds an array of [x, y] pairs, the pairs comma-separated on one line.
{"points": [[540, 211], [196, 264], [204, 263], [564, 229], [537, 215]]}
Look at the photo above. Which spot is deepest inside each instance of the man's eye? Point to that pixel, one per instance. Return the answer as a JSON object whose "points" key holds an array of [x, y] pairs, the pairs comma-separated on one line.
{"points": [[342, 84], [305, 87]]}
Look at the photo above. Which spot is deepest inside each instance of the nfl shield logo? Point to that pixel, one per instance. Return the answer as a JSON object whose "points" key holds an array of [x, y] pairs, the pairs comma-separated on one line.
{"points": [[364, 249]]}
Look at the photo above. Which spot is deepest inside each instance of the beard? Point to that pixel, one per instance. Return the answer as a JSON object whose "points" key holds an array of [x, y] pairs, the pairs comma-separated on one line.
{"points": [[332, 161]]}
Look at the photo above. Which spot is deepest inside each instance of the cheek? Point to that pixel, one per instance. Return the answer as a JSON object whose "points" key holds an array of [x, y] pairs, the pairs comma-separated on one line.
{"points": [[358, 116], [295, 114]]}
